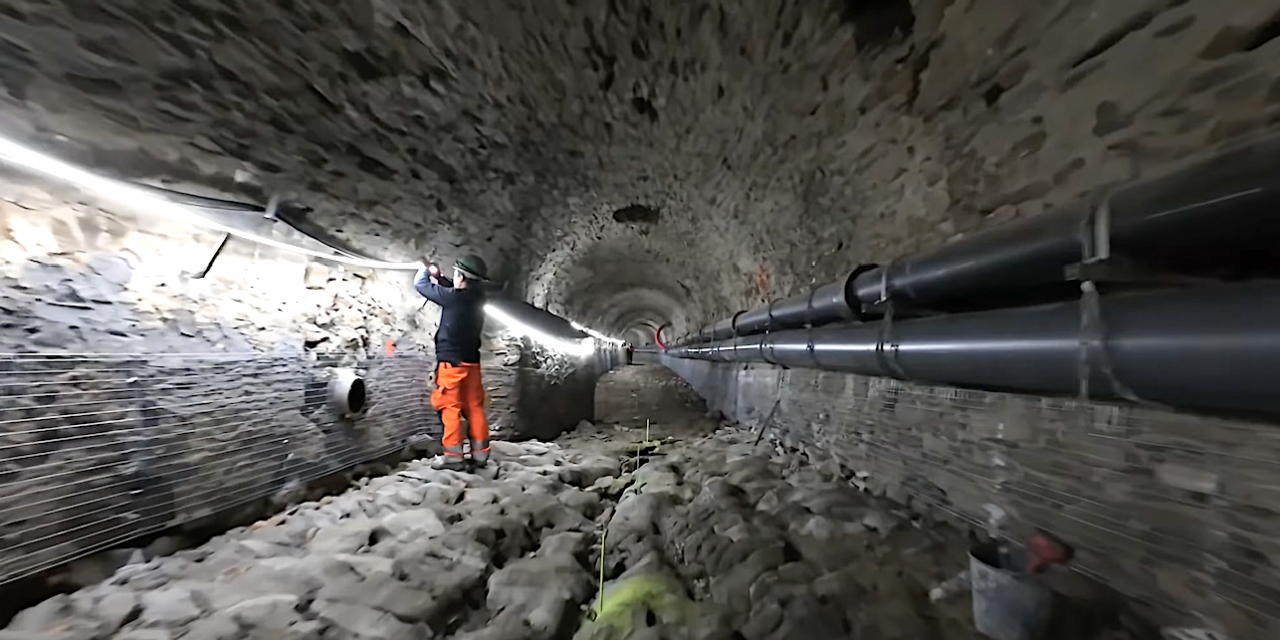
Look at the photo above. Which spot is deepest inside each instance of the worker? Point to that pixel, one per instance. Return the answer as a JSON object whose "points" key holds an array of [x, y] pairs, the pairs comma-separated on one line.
{"points": [[459, 391]]}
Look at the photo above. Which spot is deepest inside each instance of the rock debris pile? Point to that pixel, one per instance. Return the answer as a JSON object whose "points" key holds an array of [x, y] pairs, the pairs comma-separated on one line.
{"points": [[420, 553], [711, 538]]}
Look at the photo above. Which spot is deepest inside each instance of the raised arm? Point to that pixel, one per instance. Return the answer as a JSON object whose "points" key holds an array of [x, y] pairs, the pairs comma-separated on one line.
{"points": [[432, 290]]}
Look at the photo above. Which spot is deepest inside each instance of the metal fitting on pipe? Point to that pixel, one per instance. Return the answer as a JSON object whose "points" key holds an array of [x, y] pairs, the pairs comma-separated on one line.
{"points": [[1207, 348], [1207, 206]]}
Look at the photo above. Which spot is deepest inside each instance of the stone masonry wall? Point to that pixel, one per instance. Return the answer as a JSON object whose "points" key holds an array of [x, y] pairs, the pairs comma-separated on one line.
{"points": [[138, 396], [1176, 510]]}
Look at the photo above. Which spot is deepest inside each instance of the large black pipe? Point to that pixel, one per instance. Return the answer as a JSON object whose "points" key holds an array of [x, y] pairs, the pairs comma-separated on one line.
{"points": [[1212, 348], [1225, 201]]}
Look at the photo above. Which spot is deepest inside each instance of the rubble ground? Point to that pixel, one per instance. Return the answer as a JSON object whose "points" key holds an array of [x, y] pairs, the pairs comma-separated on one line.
{"points": [[705, 534]]}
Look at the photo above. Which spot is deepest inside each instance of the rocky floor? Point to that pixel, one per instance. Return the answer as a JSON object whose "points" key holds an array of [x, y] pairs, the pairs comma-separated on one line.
{"points": [[705, 535]]}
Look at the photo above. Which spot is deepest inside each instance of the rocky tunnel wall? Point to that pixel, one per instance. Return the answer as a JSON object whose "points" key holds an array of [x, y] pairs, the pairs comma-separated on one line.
{"points": [[139, 395], [643, 162], [1175, 510]]}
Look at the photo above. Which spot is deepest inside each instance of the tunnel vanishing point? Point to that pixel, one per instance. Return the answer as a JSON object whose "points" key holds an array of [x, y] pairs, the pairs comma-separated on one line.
{"points": [[905, 278]]}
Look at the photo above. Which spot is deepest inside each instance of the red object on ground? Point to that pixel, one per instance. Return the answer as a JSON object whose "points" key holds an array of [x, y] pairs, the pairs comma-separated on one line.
{"points": [[1046, 550], [657, 337]]}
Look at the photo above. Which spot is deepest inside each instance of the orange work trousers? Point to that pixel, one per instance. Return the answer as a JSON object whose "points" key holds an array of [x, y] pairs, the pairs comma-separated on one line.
{"points": [[460, 393]]}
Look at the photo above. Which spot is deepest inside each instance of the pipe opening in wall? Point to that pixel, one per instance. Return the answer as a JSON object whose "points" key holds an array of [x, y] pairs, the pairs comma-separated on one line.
{"points": [[347, 393]]}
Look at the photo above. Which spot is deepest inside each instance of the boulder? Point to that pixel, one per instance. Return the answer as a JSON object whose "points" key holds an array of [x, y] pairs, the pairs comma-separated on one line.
{"points": [[366, 623], [343, 537], [414, 523], [168, 607], [274, 611]]}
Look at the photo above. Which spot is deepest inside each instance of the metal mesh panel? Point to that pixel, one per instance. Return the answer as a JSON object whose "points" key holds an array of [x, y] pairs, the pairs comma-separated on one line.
{"points": [[1177, 510], [98, 449]]}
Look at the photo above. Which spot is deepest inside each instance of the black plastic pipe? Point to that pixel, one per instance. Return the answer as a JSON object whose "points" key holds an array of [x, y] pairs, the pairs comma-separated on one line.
{"points": [[1211, 348], [1221, 202]]}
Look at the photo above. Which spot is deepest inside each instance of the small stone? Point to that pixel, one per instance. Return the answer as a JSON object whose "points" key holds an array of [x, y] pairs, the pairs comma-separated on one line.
{"points": [[46, 615], [347, 537], [145, 634], [274, 611], [112, 268], [168, 607], [414, 523], [879, 521], [367, 565], [117, 608], [1187, 478], [365, 622], [218, 626], [316, 276]]}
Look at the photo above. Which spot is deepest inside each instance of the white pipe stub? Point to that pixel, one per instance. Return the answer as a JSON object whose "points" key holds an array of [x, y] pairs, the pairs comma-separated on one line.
{"points": [[347, 396]]}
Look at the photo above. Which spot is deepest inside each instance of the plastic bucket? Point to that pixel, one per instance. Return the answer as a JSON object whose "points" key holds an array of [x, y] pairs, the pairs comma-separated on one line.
{"points": [[1007, 603]]}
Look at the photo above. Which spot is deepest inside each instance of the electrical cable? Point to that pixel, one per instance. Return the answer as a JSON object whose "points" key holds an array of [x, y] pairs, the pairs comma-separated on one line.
{"points": [[27, 158], [144, 196]]}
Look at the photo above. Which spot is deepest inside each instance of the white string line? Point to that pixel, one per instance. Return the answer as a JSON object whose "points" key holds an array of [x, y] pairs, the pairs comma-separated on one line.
{"points": [[269, 469], [136, 395], [903, 464], [391, 410], [200, 377], [924, 465], [408, 351], [106, 365], [139, 532], [56, 364], [136, 375], [220, 412], [40, 356], [248, 449], [139, 408], [230, 436], [903, 457], [1130, 413], [1105, 460], [152, 510], [245, 456], [373, 415], [1041, 452], [950, 412], [140, 374], [951, 467]]}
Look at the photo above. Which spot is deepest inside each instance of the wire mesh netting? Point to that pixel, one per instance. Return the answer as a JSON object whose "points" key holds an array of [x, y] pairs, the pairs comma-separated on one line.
{"points": [[1176, 510], [99, 449]]}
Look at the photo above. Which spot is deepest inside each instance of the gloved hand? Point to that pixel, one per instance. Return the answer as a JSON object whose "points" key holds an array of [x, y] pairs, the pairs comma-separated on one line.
{"points": [[433, 271]]}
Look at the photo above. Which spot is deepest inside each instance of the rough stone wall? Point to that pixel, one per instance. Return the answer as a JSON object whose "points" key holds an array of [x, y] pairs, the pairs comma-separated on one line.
{"points": [[644, 160], [1177, 510], [137, 396]]}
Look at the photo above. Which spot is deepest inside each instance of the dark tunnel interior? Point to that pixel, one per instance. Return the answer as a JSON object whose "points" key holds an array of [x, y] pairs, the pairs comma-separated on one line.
{"points": [[229, 412]]}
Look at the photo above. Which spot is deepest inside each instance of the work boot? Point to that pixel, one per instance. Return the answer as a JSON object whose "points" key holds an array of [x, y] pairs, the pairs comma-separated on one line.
{"points": [[479, 463], [449, 463]]}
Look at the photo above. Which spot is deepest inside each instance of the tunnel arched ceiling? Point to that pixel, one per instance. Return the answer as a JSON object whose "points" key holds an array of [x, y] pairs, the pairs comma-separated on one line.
{"points": [[635, 162]]}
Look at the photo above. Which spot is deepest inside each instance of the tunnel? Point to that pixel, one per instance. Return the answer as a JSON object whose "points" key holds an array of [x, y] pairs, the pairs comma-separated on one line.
{"points": [[825, 319]]}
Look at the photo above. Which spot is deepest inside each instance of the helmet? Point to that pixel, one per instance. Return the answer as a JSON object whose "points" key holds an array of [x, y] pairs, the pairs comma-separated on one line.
{"points": [[472, 267]]}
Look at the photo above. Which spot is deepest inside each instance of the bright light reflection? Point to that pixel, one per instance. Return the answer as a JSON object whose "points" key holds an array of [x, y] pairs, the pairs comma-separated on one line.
{"points": [[596, 334], [581, 348], [133, 197], [18, 155]]}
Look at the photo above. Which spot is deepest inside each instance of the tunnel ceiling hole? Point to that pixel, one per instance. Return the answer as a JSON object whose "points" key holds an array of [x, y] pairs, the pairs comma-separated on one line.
{"points": [[878, 23], [636, 214]]}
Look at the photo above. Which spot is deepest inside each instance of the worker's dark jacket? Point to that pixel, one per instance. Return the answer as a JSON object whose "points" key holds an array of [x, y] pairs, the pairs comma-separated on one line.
{"points": [[461, 319]]}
